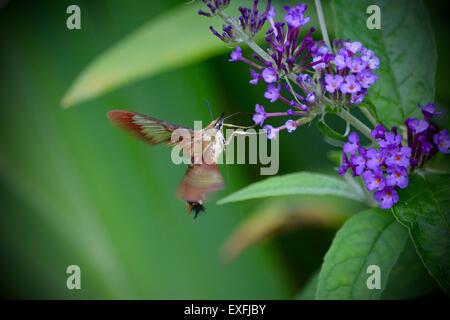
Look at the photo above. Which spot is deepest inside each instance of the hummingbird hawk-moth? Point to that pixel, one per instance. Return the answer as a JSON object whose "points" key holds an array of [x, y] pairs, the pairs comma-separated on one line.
{"points": [[202, 176]]}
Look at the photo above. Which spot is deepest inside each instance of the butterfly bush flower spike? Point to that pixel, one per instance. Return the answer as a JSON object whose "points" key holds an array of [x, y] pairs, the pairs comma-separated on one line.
{"points": [[304, 79], [385, 168], [322, 77]]}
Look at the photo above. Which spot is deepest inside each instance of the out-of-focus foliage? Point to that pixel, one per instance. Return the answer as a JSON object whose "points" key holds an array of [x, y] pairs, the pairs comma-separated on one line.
{"points": [[175, 39], [277, 217], [153, 48]]}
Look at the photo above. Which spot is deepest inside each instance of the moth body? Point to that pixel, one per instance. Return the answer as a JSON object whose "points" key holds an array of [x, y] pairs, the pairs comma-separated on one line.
{"points": [[202, 176]]}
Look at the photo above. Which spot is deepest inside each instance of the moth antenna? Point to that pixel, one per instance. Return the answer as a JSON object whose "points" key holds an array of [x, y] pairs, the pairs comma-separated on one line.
{"points": [[209, 109]]}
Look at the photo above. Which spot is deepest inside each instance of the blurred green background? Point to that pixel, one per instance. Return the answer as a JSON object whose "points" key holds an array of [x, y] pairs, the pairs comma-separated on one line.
{"points": [[75, 190]]}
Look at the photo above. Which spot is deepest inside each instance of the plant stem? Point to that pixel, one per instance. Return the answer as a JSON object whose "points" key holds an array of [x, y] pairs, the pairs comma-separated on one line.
{"points": [[323, 26], [355, 122], [292, 90], [369, 116], [245, 38]]}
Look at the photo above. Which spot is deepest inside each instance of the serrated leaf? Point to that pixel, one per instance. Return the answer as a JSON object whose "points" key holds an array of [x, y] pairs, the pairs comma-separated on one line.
{"points": [[372, 237], [406, 47], [424, 208], [302, 183]]}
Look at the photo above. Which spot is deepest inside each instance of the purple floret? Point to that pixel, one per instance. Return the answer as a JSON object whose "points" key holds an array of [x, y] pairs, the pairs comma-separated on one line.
{"points": [[386, 197]]}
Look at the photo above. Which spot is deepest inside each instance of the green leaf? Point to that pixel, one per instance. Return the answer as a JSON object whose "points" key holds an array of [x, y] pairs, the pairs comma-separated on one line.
{"points": [[409, 279], [424, 209], [301, 183], [372, 237], [406, 47], [155, 47]]}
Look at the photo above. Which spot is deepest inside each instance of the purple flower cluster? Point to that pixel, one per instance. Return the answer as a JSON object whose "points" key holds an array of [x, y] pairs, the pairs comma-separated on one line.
{"points": [[319, 75], [352, 72], [214, 6], [328, 80], [383, 169], [424, 138], [250, 20], [288, 54], [386, 167]]}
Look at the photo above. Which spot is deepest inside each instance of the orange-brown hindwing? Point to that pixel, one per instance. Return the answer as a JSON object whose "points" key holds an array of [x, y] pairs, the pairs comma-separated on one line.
{"points": [[198, 182]]}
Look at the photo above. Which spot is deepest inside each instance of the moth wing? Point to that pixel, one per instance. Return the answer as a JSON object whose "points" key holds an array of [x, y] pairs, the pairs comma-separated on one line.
{"points": [[199, 181], [149, 129]]}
